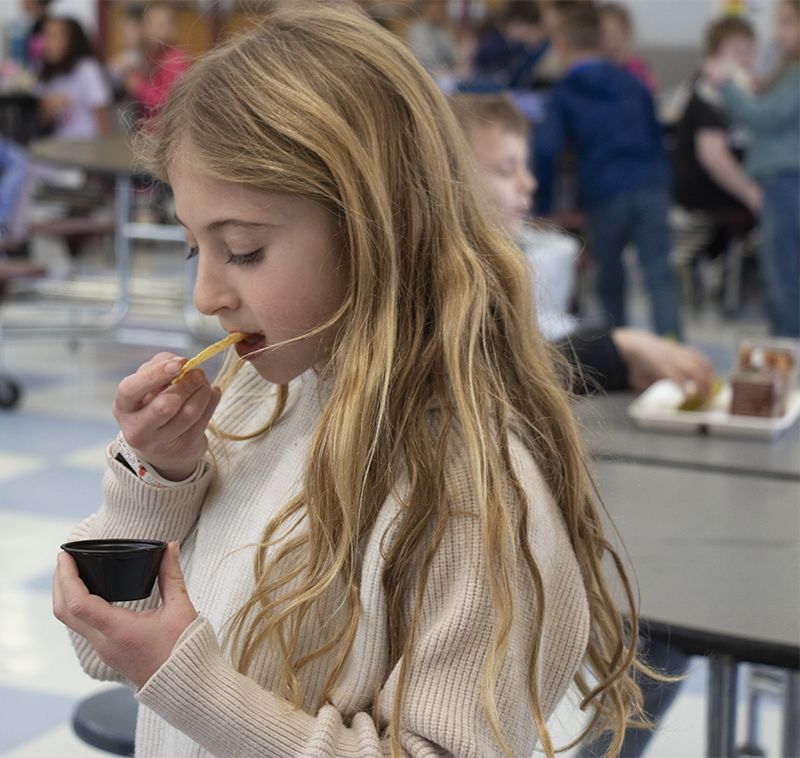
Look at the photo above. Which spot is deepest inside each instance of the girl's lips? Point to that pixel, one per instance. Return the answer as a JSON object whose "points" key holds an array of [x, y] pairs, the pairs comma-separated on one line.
{"points": [[250, 344]]}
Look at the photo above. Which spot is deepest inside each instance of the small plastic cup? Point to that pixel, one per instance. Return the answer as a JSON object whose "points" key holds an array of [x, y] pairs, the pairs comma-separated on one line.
{"points": [[117, 570]]}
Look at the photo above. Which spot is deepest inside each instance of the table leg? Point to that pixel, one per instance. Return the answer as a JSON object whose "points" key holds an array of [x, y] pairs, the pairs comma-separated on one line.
{"points": [[791, 716], [721, 716], [123, 195]]}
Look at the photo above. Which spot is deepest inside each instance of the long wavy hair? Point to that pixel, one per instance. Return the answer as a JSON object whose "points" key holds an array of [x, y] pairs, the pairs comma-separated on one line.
{"points": [[322, 103]]}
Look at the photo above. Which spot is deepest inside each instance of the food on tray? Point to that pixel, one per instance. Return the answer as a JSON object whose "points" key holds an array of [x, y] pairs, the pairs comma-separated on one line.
{"points": [[694, 401], [760, 385], [757, 393], [209, 352]]}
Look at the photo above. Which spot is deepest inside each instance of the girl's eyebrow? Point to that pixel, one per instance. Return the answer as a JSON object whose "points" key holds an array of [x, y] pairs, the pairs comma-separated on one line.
{"points": [[230, 222]]}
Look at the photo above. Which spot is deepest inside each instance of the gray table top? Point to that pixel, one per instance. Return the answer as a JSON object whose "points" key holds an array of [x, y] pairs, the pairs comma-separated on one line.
{"points": [[111, 154], [610, 434], [715, 552]]}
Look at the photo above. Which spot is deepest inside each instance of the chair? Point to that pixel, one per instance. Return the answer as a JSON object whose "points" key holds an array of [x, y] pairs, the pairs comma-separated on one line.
{"points": [[697, 235], [780, 683], [11, 270], [107, 720]]}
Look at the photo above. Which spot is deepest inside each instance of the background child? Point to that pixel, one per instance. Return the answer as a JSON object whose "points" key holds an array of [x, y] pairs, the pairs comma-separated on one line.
{"points": [[74, 93], [497, 133], [130, 57], [773, 159], [616, 38], [399, 550], [509, 49], [608, 118], [163, 62], [708, 149], [14, 177]]}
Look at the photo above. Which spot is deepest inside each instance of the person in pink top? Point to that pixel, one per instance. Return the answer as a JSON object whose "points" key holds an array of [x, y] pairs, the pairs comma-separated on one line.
{"points": [[164, 63], [617, 32]]}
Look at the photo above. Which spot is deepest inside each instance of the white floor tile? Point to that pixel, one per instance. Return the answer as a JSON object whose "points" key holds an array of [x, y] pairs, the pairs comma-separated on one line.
{"points": [[58, 743], [17, 464], [29, 544], [93, 458], [35, 649]]}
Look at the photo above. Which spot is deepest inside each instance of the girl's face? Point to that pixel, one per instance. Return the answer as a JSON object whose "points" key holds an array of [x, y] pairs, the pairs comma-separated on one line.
{"points": [[788, 33], [501, 156], [56, 40], [271, 265]]}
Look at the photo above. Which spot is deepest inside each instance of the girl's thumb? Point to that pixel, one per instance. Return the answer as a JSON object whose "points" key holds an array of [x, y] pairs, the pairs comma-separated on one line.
{"points": [[170, 575]]}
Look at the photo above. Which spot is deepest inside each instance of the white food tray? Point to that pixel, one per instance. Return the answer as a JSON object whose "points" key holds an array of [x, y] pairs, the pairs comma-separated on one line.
{"points": [[656, 408]]}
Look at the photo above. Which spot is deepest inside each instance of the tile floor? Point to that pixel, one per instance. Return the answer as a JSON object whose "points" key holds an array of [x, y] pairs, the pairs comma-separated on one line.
{"points": [[51, 462]]}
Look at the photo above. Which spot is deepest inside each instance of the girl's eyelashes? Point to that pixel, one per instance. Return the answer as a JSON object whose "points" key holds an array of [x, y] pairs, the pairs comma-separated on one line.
{"points": [[237, 260], [244, 260]]}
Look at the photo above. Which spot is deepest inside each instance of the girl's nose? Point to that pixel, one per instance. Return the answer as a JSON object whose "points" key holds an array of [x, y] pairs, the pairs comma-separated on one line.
{"points": [[212, 292]]}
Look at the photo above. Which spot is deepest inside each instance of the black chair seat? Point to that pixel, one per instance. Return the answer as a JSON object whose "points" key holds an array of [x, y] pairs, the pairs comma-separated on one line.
{"points": [[108, 721]]}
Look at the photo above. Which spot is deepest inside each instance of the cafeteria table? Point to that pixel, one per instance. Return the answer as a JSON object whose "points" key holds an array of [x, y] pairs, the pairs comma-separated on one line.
{"points": [[711, 527], [611, 435], [110, 155]]}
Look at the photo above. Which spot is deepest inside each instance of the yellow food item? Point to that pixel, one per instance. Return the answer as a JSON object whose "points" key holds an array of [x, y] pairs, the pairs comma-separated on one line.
{"points": [[210, 351], [695, 402]]}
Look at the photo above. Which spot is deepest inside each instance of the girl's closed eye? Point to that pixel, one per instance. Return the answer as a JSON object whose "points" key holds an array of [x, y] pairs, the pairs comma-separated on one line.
{"points": [[238, 260], [246, 259]]}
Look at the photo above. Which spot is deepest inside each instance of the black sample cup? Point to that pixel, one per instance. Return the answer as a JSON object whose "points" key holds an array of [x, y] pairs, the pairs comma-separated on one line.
{"points": [[117, 569]]}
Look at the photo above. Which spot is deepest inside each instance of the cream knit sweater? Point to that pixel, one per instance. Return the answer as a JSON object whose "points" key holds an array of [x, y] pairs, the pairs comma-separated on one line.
{"points": [[197, 704]]}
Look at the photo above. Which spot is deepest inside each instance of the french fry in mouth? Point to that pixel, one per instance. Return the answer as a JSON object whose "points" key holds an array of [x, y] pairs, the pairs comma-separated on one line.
{"points": [[209, 352]]}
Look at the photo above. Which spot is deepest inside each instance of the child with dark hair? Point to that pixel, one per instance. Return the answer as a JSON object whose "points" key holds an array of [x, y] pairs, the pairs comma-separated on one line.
{"points": [[617, 34], [708, 148], [608, 118], [509, 50], [74, 93]]}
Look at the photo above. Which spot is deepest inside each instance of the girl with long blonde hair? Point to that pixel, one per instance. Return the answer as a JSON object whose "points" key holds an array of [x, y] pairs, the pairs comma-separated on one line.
{"points": [[389, 543]]}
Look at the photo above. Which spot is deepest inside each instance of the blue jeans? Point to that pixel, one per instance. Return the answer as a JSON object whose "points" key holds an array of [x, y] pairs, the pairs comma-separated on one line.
{"points": [[779, 226], [640, 217], [13, 177], [657, 697]]}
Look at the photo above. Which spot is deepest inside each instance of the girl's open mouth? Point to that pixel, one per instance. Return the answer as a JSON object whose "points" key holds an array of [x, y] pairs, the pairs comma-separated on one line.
{"points": [[250, 344]]}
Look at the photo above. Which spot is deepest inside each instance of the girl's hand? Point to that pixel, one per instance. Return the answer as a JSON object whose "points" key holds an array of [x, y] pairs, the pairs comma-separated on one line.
{"points": [[133, 644], [165, 423]]}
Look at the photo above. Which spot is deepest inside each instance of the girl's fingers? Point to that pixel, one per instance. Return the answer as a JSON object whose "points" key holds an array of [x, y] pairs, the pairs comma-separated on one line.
{"points": [[72, 603], [146, 382], [156, 427], [195, 412]]}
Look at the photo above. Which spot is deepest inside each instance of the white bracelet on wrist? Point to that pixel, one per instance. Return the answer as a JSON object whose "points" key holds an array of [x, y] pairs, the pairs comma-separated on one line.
{"points": [[121, 451]]}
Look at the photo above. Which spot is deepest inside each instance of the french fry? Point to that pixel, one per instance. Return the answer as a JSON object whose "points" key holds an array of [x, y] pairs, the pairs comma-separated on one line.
{"points": [[210, 351]]}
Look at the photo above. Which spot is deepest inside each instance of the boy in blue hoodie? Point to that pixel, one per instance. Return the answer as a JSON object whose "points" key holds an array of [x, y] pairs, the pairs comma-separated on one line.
{"points": [[607, 117]]}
